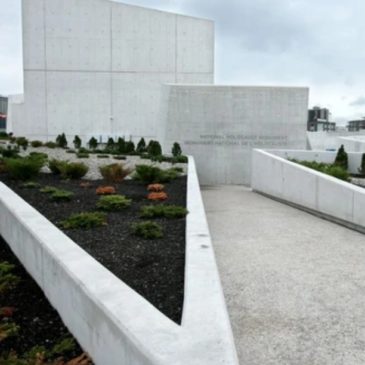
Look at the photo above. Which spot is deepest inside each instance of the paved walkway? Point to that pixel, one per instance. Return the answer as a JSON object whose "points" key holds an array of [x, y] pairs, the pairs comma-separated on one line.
{"points": [[294, 283]]}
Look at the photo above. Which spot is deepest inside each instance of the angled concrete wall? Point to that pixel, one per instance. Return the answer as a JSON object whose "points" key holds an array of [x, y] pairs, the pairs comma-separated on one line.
{"points": [[219, 125], [95, 67]]}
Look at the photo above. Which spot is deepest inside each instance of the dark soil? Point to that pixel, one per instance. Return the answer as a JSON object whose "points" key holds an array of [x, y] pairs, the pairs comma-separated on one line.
{"points": [[153, 268], [40, 324]]}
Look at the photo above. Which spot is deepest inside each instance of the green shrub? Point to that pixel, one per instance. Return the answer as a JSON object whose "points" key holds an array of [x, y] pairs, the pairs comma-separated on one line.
{"points": [[180, 159], [61, 140], [118, 157], [31, 185], [147, 230], [50, 144], [110, 144], [115, 172], [329, 169], [82, 155], [77, 142], [93, 143], [141, 146], [112, 203], [176, 150], [341, 158], [61, 195], [10, 152], [338, 172], [153, 174], [39, 156], [121, 145], [154, 148], [163, 211], [129, 147], [22, 142], [362, 166], [102, 156], [74, 170], [36, 144], [83, 150], [48, 190], [3, 135], [56, 166], [86, 220], [70, 151], [23, 168], [8, 280]]}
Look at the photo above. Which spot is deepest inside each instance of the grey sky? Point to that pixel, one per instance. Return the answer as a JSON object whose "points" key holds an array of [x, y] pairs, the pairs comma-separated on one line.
{"points": [[262, 42]]}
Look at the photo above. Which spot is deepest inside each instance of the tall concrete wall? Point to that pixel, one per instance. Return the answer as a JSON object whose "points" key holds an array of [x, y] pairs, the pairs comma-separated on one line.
{"points": [[95, 67], [219, 125]]}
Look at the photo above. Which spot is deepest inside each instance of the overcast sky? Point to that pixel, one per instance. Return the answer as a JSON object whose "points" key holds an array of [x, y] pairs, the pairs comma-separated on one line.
{"points": [[319, 44]]}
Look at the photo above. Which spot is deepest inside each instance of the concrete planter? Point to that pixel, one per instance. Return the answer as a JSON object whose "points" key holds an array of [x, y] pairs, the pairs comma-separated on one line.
{"points": [[109, 319], [306, 188]]}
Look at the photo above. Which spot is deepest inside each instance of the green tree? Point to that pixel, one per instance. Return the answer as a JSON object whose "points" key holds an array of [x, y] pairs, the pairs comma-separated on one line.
{"points": [[129, 147], [176, 150], [61, 140], [341, 158], [154, 148], [362, 167], [121, 145], [93, 143], [77, 142], [141, 146], [110, 144]]}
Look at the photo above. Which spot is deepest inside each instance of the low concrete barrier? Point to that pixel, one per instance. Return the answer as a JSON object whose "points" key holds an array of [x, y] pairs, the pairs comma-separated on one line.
{"points": [[353, 144], [113, 323], [319, 193]]}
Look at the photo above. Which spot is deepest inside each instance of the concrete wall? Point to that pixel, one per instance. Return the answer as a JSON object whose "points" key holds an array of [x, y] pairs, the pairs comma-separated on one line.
{"points": [[95, 67], [113, 323], [307, 188], [219, 125], [353, 144], [15, 110], [328, 140], [354, 158]]}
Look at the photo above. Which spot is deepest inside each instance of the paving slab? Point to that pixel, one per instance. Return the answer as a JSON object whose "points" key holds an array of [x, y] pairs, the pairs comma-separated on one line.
{"points": [[294, 283]]}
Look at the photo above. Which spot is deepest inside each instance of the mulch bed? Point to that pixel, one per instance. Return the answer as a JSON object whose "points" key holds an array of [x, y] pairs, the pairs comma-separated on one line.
{"points": [[40, 324], [153, 268]]}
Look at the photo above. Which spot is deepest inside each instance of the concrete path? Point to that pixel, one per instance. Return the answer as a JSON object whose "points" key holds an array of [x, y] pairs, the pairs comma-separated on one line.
{"points": [[294, 283]]}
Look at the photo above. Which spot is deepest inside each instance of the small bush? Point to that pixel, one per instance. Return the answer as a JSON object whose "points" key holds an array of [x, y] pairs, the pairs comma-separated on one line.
{"points": [[10, 152], [86, 220], [36, 144], [129, 147], [61, 195], [82, 155], [148, 174], [121, 145], [110, 144], [77, 142], [147, 230], [56, 166], [118, 157], [61, 140], [23, 168], [163, 211], [112, 203], [50, 144], [115, 172], [22, 142], [180, 159], [338, 172], [155, 187], [157, 196], [105, 190], [70, 151], [74, 170], [102, 156], [31, 185], [48, 190]]}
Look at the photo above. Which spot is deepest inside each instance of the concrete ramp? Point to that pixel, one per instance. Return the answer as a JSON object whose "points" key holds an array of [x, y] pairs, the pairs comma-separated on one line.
{"points": [[294, 283]]}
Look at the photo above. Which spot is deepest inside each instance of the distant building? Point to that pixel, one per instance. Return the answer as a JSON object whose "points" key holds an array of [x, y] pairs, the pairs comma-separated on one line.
{"points": [[356, 125], [318, 120], [3, 112]]}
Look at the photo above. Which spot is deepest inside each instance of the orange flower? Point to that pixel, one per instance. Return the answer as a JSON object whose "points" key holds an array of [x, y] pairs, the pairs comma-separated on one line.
{"points": [[155, 187], [105, 190], [157, 196]]}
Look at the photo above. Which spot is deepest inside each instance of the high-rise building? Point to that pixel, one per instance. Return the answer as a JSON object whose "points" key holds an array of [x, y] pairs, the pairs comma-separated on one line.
{"points": [[319, 120]]}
